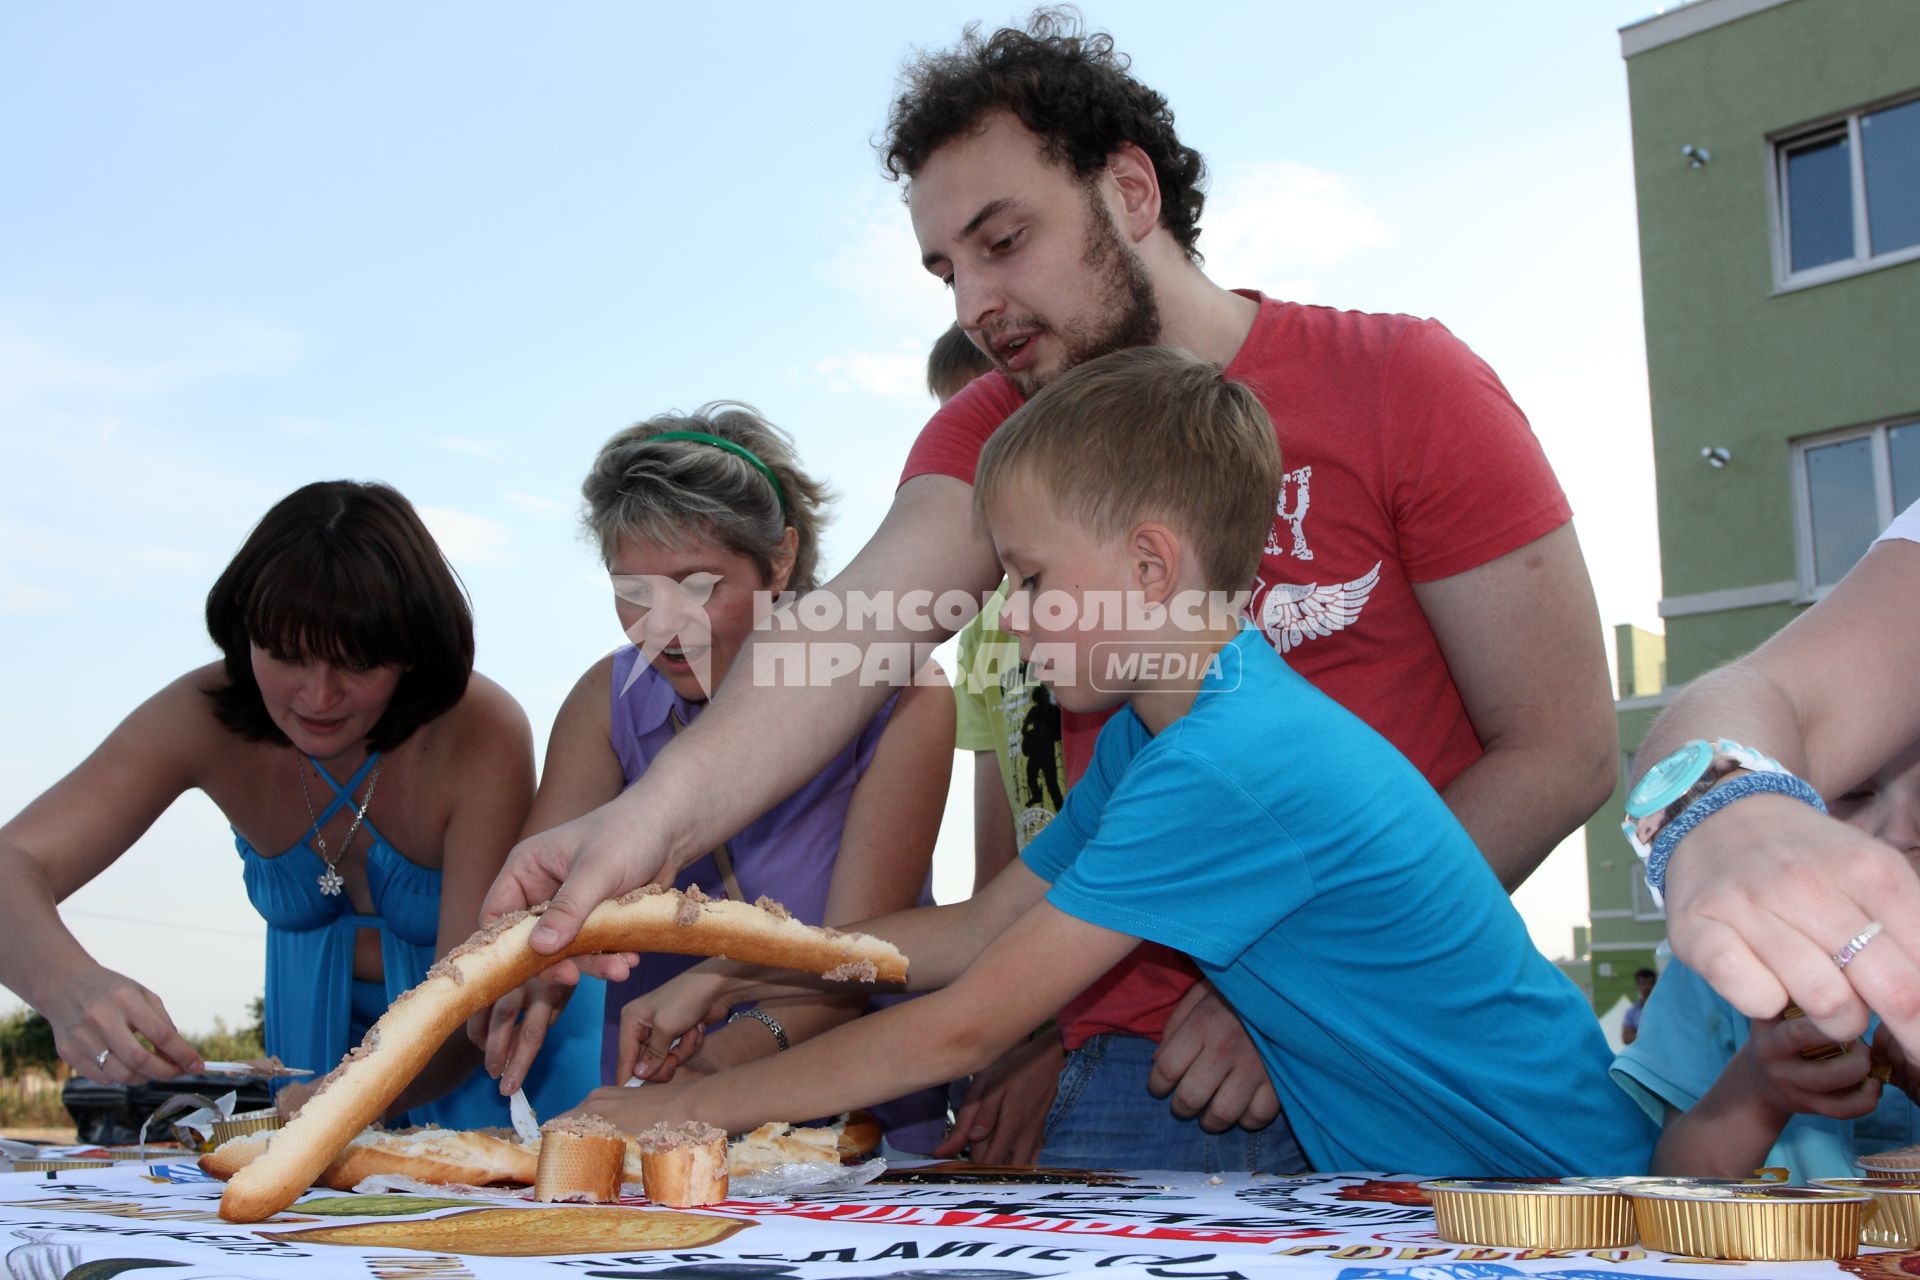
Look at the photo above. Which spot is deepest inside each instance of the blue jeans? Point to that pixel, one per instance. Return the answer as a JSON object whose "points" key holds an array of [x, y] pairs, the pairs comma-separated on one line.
{"points": [[1104, 1118]]}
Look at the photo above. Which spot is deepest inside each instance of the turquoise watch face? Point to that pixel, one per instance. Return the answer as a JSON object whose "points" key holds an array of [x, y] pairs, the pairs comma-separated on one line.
{"points": [[1669, 778]]}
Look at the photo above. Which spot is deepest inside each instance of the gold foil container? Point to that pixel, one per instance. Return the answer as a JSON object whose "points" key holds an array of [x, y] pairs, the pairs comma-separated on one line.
{"points": [[1893, 1220], [1622, 1182], [1530, 1215], [246, 1122], [1755, 1223], [49, 1166], [1904, 1162]]}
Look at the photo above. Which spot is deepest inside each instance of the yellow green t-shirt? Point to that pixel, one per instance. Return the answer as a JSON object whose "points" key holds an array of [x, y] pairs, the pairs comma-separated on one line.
{"points": [[1003, 711]]}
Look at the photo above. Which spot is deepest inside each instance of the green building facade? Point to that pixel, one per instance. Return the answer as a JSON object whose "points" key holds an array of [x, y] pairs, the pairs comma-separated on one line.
{"points": [[1776, 148]]}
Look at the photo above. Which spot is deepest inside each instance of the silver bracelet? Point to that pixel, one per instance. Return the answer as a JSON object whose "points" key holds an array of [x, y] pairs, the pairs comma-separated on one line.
{"points": [[765, 1019]]}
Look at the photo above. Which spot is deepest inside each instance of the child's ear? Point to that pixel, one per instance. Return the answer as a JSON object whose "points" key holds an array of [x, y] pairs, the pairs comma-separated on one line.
{"points": [[1155, 553], [783, 558]]}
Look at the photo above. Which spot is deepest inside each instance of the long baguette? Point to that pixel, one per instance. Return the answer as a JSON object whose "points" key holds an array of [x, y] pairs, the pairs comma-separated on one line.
{"points": [[495, 961]]}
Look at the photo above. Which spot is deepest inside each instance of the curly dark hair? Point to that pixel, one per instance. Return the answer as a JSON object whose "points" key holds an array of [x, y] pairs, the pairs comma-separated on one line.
{"points": [[1068, 86]]}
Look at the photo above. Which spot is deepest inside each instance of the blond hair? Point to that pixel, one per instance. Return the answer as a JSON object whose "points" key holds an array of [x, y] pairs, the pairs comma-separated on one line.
{"points": [[671, 492], [1148, 433], [954, 362]]}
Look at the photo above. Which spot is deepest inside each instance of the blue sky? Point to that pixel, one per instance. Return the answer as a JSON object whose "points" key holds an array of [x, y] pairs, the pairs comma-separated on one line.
{"points": [[455, 246]]}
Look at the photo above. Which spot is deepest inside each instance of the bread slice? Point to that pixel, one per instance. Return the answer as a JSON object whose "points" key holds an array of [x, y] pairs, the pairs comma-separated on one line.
{"points": [[581, 1157], [684, 1165]]}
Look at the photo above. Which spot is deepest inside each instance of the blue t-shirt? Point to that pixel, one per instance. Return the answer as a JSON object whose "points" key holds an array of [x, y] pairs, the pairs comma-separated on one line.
{"points": [[1404, 1015], [1688, 1035]]}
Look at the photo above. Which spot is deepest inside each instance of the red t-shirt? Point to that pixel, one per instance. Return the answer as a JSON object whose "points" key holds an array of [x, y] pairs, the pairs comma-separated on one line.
{"points": [[1406, 461]]}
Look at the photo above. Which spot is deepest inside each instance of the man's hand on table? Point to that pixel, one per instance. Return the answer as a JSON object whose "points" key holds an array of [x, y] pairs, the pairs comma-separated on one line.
{"points": [[1209, 1064], [1003, 1119]]}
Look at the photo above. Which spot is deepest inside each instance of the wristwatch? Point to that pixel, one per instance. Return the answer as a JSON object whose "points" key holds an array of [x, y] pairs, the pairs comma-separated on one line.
{"points": [[1679, 778]]}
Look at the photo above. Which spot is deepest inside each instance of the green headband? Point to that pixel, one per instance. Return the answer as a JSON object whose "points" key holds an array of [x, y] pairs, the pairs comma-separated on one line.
{"points": [[738, 451]]}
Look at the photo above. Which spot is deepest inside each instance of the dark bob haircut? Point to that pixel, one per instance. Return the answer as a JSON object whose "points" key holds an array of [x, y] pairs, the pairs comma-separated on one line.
{"points": [[1070, 88], [343, 572]]}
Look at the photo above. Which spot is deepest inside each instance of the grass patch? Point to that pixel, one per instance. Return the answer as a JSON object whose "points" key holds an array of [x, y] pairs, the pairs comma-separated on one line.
{"points": [[31, 1099]]}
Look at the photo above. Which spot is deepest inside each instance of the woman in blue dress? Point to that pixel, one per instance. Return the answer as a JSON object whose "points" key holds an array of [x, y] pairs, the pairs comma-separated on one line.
{"points": [[374, 783]]}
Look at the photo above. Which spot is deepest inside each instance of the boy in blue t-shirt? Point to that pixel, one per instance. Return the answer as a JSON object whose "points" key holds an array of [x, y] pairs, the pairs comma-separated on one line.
{"points": [[1231, 811]]}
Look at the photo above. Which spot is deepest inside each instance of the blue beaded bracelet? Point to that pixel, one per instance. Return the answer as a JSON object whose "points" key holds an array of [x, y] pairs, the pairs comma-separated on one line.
{"points": [[1747, 784]]}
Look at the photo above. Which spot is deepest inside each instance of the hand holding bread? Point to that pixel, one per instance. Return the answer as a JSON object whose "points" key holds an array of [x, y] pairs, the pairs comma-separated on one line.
{"points": [[494, 961]]}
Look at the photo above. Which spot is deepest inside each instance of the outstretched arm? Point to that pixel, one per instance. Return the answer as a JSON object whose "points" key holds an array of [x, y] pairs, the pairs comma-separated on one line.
{"points": [[1041, 961], [1728, 1133], [939, 942], [78, 828], [764, 732], [1761, 894], [885, 851]]}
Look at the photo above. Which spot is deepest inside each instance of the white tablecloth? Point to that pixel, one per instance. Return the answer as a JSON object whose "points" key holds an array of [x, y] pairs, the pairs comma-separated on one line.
{"points": [[95, 1224]]}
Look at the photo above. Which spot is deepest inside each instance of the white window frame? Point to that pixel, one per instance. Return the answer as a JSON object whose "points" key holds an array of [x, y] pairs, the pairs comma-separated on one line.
{"points": [[1884, 513], [1785, 278]]}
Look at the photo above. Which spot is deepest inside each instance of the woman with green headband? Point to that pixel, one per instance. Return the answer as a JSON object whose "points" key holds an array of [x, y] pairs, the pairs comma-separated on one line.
{"points": [[698, 517]]}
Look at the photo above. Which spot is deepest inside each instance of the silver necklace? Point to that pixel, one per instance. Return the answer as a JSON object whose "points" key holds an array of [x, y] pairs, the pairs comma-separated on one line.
{"points": [[329, 880]]}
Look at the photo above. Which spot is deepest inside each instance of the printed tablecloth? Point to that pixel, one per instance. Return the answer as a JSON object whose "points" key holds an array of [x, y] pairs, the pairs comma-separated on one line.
{"points": [[96, 1224]]}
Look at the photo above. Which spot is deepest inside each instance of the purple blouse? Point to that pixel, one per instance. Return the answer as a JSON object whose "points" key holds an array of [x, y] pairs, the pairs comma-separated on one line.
{"points": [[787, 854]]}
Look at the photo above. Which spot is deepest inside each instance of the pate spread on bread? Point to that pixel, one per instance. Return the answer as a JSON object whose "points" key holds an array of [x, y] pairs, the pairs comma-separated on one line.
{"points": [[683, 1165]]}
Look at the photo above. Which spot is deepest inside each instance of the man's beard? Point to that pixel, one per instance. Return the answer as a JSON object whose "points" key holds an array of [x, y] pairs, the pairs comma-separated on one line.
{"points": [[1128, 315]]}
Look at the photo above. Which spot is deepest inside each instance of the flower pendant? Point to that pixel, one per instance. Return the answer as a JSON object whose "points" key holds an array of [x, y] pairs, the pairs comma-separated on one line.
{"points": [[330, 883]]}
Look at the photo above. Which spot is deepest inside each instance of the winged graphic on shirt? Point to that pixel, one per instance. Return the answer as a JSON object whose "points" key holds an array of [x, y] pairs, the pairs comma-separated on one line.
{"points": [[1292, 613]]}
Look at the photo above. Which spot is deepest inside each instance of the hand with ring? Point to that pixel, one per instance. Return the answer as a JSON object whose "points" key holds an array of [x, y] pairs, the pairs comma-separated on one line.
{"points": [[1856, 944], [101, 1007], [1773, 903]]}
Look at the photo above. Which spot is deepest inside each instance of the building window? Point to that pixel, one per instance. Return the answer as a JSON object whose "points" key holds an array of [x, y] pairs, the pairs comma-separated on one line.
{"points": [[1848, 486], [1847, 194]]}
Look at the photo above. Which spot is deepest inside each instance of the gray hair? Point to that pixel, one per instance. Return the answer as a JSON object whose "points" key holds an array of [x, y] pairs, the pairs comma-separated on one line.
{"points": [[672, 492]]}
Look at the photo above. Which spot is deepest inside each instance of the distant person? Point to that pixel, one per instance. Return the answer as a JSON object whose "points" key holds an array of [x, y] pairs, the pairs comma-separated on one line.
{"points": [[952, 362], [1235, 812], [1736, 1094], [694, 515], [1419, 563], [373, 782], [1643, 980], [1769, 899]]}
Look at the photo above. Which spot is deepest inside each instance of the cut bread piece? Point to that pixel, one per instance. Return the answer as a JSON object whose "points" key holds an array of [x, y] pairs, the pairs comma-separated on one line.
{"points": [[683, 1166], [580, 1159]]}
